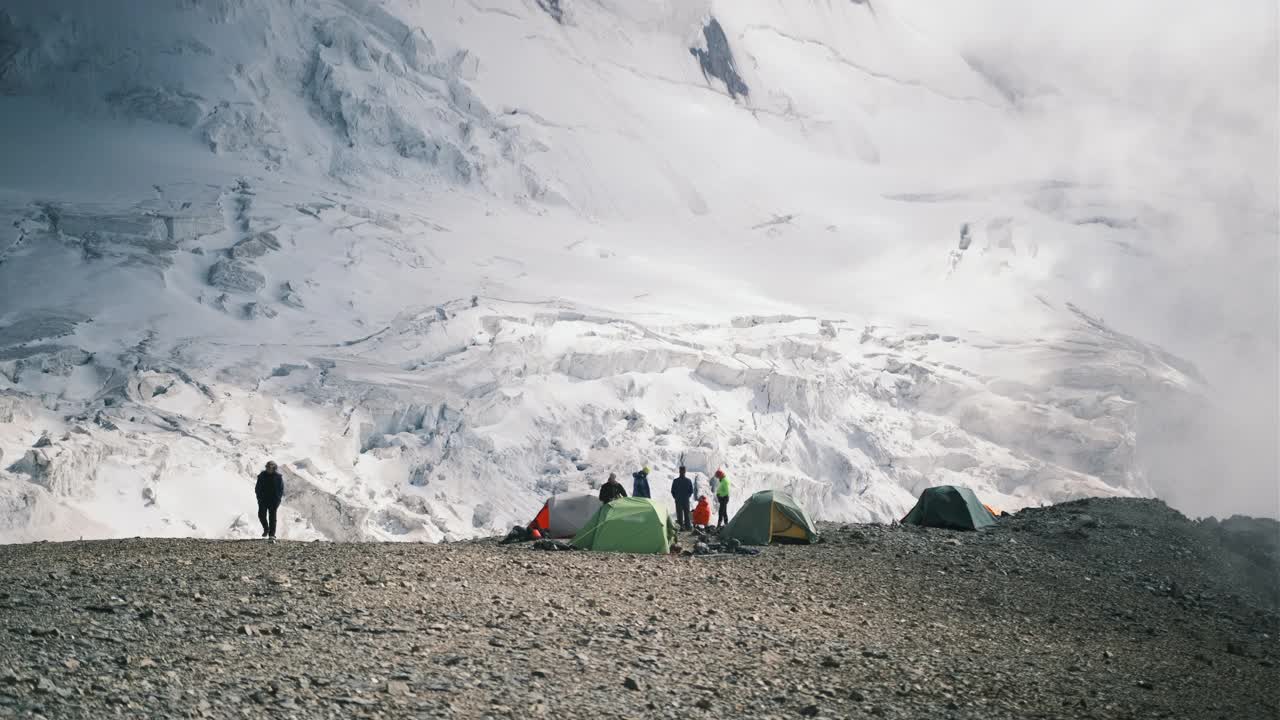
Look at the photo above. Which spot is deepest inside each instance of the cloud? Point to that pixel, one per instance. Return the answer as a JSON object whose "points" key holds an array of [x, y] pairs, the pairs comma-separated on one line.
{"points": [[1169, 110]]}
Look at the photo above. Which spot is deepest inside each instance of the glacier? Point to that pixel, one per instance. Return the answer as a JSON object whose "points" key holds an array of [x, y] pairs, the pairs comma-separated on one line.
{"points": [[442, 259]]}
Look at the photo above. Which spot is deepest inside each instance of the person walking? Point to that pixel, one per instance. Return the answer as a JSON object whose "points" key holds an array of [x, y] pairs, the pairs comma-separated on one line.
{"points": [[722, 497], [611, 489], [640, 483], [682, 493], [270, 491]]}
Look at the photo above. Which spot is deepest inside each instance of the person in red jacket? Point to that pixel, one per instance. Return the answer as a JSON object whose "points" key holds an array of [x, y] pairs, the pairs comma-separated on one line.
{"points": [[702, 513]]}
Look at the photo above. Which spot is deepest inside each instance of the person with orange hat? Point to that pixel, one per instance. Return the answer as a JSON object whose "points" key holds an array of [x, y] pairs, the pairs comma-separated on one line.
{"points": [[722, 497]]}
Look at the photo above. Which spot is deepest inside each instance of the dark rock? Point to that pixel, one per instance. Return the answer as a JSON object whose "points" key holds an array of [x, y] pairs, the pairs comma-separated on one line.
{"points": [[717, 60], [552, 8], [631, 683]]}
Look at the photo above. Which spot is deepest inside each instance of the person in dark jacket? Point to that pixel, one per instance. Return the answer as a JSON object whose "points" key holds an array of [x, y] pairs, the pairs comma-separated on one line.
{"points": [[640, 483], [270, 491], [682, 492], [611, 489]]}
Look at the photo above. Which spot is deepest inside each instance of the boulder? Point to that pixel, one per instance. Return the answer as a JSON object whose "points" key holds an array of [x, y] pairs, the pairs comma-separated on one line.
{"points": [[233, 275], [255, 246]]}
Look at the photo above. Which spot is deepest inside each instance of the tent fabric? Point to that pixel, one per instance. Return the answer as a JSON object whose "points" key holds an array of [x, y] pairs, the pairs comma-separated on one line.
{"points": [[631, 525], [950, 507], [769, 516], [563, 515]]}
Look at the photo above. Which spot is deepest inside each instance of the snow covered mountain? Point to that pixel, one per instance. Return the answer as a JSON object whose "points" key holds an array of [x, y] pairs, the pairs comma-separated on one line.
{"points": [[442, 258]]}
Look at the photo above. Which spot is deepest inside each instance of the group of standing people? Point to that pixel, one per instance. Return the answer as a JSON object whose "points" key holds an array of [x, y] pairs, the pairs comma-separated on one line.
{"points": [[269, 490], [683, 490]]}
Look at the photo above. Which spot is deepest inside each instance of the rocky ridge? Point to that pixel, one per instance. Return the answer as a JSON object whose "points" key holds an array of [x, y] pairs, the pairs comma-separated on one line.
{"points": [[1095, 609]]}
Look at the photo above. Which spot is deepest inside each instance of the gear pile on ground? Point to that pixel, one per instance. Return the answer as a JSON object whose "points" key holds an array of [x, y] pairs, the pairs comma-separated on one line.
{"points": [[1093, 609]]}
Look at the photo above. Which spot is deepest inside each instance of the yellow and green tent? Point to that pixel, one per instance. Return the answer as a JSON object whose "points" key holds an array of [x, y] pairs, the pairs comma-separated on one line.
{"points": [[770, 516]]}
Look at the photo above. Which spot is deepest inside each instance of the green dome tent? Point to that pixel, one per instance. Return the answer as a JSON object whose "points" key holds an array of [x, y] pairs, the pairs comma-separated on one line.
{"points": [[633, 525], [770, 515], [951, 507]]}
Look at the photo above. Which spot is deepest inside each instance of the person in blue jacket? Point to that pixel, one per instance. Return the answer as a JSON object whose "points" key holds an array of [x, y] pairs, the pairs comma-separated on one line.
{"points": [[640, 483]]}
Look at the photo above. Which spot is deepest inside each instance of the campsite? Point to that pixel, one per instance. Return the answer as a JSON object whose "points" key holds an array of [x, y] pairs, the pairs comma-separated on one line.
{"points": [[1116, 608]]}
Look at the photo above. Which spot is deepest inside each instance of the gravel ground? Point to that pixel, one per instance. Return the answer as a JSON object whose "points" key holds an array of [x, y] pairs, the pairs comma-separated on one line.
{"points": [[1095, 609]]}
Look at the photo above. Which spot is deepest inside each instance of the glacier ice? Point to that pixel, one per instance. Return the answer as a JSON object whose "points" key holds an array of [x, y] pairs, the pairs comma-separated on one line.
{"points": [[439, 262]]}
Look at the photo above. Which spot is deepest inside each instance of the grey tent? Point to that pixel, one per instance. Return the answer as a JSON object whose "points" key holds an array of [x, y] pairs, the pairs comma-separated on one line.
{"points": [[563, 515]]}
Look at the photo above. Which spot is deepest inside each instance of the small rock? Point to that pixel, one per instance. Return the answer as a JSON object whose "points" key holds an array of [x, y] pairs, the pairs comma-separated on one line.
{"points": [[71, 664], [397, 687], [704, 704], [631, 684], [45, 632], [809, 711], [257, 311], [829, 662]]}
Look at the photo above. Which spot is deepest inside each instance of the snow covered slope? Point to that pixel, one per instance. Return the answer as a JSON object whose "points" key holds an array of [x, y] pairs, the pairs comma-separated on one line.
{"points": [[440, 259]]}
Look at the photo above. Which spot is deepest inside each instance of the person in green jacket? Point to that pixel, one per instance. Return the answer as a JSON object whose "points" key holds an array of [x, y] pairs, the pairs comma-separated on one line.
{"points": [[722, 497]]}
